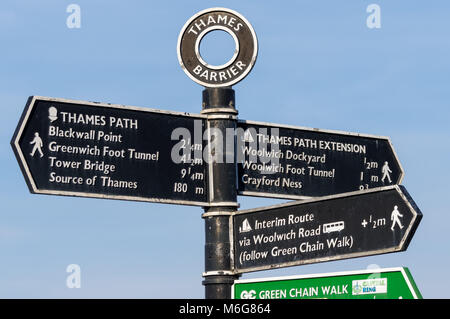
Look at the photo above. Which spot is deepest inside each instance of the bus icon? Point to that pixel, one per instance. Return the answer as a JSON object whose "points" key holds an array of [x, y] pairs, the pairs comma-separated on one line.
{"points": [[332, 227]]}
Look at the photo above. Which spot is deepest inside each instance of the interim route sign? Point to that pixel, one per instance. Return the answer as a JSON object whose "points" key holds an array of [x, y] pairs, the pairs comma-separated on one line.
{"points": [[294, 163], [90, 149], [387, 283], [350, 225]]}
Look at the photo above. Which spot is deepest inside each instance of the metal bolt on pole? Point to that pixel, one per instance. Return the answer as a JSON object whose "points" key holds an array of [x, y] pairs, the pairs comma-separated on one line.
{"points": [[219, 105]]}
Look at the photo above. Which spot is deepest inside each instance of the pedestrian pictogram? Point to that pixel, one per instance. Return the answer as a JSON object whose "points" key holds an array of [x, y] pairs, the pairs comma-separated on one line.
{"points": [[386, 171], [395, 218], [37, 145]]}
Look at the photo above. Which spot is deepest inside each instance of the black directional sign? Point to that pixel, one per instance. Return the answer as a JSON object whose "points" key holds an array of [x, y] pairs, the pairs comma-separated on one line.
{"points": [[350, 225], [292, 162], [91, 149]]}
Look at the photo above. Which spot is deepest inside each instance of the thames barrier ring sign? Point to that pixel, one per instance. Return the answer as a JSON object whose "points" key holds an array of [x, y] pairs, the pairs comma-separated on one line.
{"points": [[240, 64]]}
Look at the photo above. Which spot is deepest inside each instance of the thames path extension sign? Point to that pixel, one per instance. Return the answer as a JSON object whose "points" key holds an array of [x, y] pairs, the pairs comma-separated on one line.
{"points": [[350, 225], [294, 163], [387, 283], [100, 150]]}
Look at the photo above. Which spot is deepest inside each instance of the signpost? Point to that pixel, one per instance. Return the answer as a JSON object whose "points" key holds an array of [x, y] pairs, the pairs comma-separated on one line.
{"points": [[387, 283], [91, 149], [294, 162], [350, 225], [219, 105], [100, 150]]}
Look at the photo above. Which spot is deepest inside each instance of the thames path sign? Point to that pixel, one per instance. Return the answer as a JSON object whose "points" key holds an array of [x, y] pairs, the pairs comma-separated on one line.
{"points": [[293, 162], [387, 283], [351, 225], [100, 150]]}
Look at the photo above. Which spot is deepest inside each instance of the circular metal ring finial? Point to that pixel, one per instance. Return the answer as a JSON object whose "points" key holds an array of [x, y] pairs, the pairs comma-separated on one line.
{"points": [[237, 67]]}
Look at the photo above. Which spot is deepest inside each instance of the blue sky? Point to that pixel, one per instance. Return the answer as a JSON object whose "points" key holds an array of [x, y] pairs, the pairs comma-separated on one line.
{"points": [[319, 65]]}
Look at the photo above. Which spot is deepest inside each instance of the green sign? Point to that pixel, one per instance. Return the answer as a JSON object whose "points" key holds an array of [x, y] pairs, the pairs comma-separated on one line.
{"points": [[388, 283]]}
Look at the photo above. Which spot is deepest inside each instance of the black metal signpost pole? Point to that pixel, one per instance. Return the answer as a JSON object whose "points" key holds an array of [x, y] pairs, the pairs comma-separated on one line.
{"points": [[219, 107], [218, 104]]}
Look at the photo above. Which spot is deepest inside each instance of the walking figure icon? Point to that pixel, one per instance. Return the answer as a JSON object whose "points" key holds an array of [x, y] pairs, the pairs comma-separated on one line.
{"points": [[37, 141], [386, 172], [395, 218]]}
